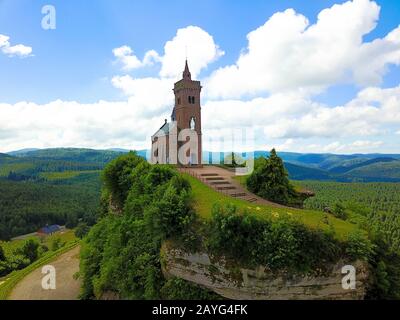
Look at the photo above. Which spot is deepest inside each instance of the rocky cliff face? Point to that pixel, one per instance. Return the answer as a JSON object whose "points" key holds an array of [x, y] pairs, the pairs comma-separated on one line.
{"points": [[234, 282]]}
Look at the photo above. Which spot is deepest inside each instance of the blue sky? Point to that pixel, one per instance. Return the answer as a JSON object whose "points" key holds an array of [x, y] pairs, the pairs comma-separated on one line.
{"points": [[75, 62]]}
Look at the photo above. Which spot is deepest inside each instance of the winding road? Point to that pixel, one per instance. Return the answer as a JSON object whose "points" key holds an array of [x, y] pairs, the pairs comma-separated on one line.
{"points": [[67, 288]]}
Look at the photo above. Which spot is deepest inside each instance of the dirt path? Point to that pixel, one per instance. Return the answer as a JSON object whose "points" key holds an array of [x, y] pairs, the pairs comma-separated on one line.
{"points": [[67, 288]]}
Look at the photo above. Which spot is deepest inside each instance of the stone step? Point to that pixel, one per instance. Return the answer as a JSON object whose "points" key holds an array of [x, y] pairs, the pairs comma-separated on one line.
{"points": [[226, 188], [214, 178], [239, 194], [252, 200], [209, 174]]}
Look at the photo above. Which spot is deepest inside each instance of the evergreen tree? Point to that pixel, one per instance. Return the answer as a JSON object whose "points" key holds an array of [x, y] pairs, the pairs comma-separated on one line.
{"points": [[270, 179]]}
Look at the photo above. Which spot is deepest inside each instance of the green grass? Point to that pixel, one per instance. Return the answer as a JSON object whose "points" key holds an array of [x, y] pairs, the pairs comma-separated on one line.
{"points": [[14, 277], [205, 197]]}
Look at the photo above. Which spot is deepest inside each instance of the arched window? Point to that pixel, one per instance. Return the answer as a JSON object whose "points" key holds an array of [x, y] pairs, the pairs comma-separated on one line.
{"points": [[193, 99], [179, 100]]}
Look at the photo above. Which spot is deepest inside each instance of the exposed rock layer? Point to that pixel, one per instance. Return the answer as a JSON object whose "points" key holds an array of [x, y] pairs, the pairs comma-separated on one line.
{"points": [[234, 282]]}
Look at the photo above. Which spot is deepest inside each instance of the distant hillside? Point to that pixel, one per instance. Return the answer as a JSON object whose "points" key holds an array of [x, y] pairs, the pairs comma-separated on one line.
{"points": [[342, 168], [297, 172], [377, 171], [71, 154], [22, 151], [301, 166], [346, 167], [4, 156]]}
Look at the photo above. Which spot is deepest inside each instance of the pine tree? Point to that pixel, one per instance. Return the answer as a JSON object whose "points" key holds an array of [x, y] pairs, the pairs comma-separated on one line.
{"points": [[270, 179]]}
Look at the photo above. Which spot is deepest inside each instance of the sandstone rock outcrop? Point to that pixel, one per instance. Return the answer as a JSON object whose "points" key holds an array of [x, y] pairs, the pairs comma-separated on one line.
{"points": [[235, 282]]}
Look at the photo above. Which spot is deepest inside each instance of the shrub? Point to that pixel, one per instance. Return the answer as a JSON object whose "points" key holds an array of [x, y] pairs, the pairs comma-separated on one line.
{"points": [[359, 246], [276, 243], [339, 211], [270, 179], [179, 289], [81, 230], [56, 244], [29, 250], [117, 176]]}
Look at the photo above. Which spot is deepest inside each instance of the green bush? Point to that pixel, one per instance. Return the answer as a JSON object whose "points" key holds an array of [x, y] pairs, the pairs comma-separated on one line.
{"points": [[29, 250], [179, 289], [278, 243], [117, 176], [358, 247], [81, 230], [270, 180], [121, 253]]}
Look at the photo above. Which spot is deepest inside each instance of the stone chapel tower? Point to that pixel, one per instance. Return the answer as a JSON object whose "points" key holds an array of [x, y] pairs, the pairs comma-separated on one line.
{"points": [[186, 114]]}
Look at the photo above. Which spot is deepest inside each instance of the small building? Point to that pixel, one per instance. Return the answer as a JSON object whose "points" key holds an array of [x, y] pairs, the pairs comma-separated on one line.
{"points": [[49, 230]]}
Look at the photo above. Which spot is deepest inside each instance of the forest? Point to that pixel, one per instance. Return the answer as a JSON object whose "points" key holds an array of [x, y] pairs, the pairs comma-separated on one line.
{"points": [[379, 203], [55, 186]]}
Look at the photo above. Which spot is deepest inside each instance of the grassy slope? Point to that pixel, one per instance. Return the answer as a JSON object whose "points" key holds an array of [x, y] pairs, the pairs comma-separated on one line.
{"points": [[205, 197]]}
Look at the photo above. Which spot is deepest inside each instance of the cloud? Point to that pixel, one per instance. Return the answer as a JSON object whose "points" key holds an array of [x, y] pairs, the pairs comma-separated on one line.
{"points": [[16, 50], [129, 124], [287, 53], [291, 116], [197, 44], [149, 96], [130, 61], [200, 47], [69, 123]]}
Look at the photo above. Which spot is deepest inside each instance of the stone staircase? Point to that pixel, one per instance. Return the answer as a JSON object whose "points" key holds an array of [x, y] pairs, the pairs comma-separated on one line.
{"points": [[221, 183]]}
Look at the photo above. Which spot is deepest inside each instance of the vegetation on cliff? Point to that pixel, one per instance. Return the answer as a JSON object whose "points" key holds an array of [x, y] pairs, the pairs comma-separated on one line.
{"points": [[122, 252]]}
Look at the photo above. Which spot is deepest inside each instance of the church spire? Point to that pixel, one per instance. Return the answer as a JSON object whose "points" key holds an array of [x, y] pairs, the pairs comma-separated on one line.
{"points": [[186, 72]]}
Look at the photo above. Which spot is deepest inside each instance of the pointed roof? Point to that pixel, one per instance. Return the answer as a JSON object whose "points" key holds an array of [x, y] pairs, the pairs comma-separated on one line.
{"points": [[186, 72]]}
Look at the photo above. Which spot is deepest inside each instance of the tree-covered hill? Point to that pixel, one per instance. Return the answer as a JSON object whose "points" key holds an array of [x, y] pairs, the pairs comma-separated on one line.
{"points": [[39, 187]]}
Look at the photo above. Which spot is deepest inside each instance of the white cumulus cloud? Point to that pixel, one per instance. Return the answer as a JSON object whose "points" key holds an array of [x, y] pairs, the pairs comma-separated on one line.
{"points": [[130, 61], [287, 53], [16, 50], [191, 42]]}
